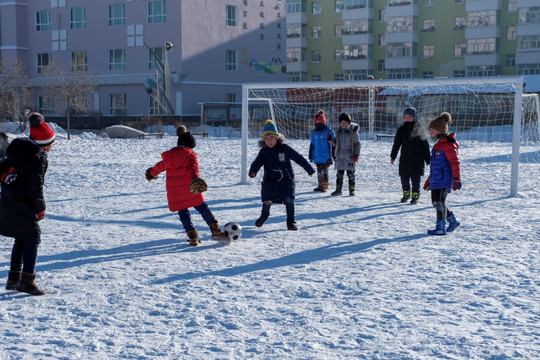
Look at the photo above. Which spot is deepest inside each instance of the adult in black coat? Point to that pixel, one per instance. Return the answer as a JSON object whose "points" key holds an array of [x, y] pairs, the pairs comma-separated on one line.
{"points": [[411, 139], [22, 203]]}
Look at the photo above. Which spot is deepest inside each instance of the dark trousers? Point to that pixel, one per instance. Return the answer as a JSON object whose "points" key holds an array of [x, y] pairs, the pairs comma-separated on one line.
{"points": [[185, 216], [322, 172], [350, 174], [407, 181], [24, 254], [438, 199], [289, 208]]}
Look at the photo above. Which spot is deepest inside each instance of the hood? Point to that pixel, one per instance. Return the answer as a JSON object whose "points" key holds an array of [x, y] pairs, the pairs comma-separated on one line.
{"points": [[177, 156], [21, 149]]}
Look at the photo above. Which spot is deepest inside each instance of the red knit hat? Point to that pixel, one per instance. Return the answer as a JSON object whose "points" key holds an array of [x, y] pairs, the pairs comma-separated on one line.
{"points": [[320, 117], [40, 132]]}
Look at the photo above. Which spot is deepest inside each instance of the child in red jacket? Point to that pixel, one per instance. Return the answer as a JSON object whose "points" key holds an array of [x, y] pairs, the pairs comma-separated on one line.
{"points": [[444, 175], [184, 186]]}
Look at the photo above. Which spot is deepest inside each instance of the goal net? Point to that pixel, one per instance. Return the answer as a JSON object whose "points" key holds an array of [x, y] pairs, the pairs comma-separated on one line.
{"points": [[490, 109]]}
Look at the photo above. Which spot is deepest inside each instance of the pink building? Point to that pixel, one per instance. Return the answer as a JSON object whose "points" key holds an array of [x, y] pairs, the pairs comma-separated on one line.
{"points": [[124, 47]]}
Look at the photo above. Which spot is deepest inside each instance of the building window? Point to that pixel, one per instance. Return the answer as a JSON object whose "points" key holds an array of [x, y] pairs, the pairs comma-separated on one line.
{"points": [[154, 108], [481, 18], [428, 2], [338, 30], [78, 18], [459, 1], [381, 16], [428, 51], [339, 77], [459, 73], [400, 23], [510, 61], [117, 59], [117, 104], [231, 15], [528, 69], [529, 42], [296, 30], [230, 60], [43, 63], [381, 66], [296, 6], [357, 4], [295, 54], [399, 73], [157, 11], [481, 46], [155, 56], [45, 105], [483, 70], [530, 15], [315, 56], [460, 50], [427, 75], [405, 49], [79, 61], [117, 14], [231, 97], [460, 23], [355, 52], [316, 32], [511, 33], [316, 77], [428, 25], [338, 5], [296, 76], [355, 27], [353, 75], [316, 7], [382, 40], [512, 6], [43, 20]]}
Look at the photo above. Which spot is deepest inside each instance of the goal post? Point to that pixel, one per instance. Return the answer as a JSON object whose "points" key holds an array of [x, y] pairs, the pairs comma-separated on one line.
{"points": [[483, 109]]}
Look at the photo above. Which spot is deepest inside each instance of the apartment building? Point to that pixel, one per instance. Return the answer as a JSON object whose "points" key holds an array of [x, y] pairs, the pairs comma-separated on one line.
{"points": [[145, 57], [343, 40]]}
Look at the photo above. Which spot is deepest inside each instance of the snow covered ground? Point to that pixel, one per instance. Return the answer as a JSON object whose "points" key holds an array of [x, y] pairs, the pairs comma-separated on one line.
{"points": [[359, 280]]}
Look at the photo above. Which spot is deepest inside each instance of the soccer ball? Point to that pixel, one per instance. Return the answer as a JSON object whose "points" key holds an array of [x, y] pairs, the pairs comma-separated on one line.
{"points": [[232, 231]]}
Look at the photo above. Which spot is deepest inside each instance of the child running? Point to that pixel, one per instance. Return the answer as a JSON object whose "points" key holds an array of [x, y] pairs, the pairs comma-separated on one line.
{"points": [[320, 150], [278, 184], [444, 175]]}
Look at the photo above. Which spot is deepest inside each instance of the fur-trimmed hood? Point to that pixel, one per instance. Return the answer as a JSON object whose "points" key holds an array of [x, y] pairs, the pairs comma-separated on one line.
{"points": [[280, 140]]}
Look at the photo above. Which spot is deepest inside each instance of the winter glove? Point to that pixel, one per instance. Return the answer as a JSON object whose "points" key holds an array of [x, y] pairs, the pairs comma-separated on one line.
{"points": [[355, 158], [41, 215], [252, 175], [457, 184], [329, 137], [426, 184], [198, 185], [149, 175], [9, 176]]}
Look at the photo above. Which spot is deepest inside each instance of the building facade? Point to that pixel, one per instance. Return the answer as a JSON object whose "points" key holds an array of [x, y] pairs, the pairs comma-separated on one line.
{"points": [[335, 40], [144, 57]]}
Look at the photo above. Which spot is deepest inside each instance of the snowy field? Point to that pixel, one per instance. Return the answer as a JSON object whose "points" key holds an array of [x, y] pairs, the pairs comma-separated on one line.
{"points": [[359, 280]]}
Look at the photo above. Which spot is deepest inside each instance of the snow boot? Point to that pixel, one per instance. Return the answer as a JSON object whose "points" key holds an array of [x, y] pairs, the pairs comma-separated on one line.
{"points": [[338, 191], [13, 279], [415, 197], [320, 188], [351, 190], [325, 185], [261, 220], [216, 232], [291, 225], [452, 223], [439, 229], [406, 196], [26, 284], [193, 236]]}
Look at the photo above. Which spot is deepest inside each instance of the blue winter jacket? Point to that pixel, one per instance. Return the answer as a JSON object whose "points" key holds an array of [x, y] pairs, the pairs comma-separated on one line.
{"points": [[444, 165], [320, 150], [278, 178]]}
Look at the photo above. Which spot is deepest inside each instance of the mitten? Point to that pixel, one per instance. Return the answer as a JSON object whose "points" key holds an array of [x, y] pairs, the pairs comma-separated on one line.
{"points": [[9, 176], [457, 184], [198, 185], [149, 175], [252, 175], [355, 159], [426, 184], [41, 215]]}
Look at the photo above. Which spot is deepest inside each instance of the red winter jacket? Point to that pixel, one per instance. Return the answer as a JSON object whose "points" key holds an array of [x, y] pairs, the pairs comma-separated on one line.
{"points": [[181, 166]]}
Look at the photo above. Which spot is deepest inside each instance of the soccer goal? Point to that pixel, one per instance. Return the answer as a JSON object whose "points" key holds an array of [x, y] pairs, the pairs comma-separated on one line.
{"points": [[492, 109]]}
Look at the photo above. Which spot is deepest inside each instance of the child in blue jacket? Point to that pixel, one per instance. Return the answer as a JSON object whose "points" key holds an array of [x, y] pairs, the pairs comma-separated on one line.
{"points": [[320, 150], [444, 175], [278, 179]]}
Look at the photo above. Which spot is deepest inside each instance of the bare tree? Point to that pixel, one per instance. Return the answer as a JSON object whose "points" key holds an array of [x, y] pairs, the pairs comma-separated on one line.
{"points": [[15, 90], [71, 88]]}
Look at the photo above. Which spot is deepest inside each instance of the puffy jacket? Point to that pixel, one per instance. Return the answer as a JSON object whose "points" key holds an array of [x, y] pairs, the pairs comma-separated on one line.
{"points": [[22, 199], [320, 150], [414, 149], [444, 163], [278, 179], [181, 166], [347, 146]]}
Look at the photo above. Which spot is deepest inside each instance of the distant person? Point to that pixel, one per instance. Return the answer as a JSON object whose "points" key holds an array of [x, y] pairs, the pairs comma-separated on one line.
{"points": [[320, 150], [411, 139], [184, 186], [444, 175], [346, 152], [278, 185], [22, 204]]}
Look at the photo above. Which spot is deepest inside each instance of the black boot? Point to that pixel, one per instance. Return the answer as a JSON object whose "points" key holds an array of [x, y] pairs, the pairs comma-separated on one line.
{"points": [[291, 225], [338, 190], [13, 279], [26, 284], [261, 220]]}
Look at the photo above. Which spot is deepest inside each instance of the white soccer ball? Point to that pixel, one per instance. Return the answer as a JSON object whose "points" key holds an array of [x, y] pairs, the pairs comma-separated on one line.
{"points": [[232, 231]]}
